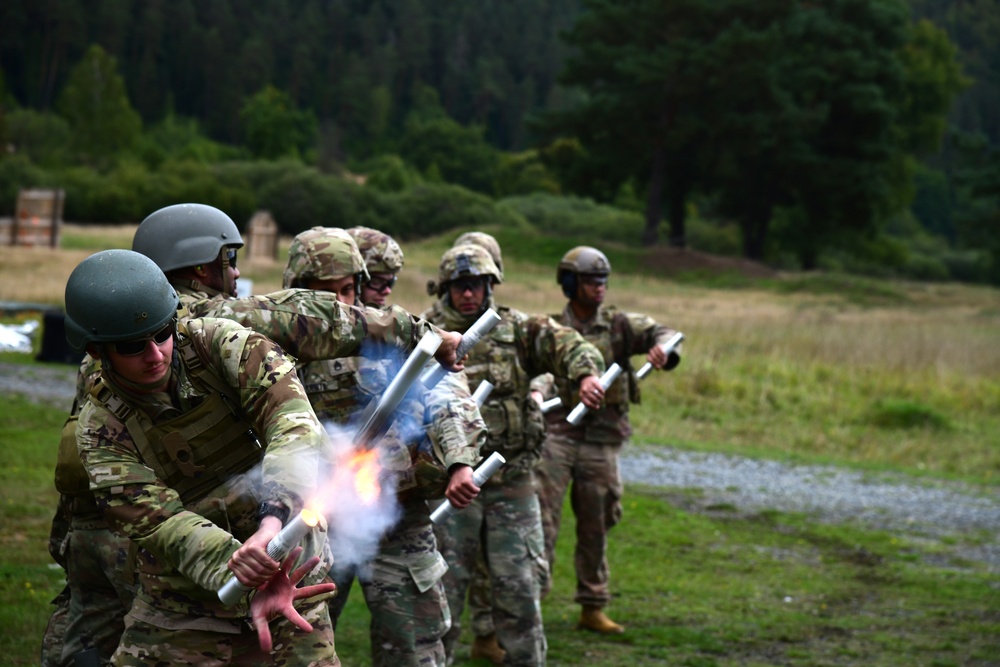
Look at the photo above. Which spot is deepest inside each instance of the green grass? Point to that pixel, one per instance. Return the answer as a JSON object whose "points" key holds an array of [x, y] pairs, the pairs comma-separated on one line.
{"points": [[717, 589], [881, 376]]}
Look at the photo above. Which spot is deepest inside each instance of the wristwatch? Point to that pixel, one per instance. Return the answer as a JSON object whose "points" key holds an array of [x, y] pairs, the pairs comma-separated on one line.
{"points": [[268, 508]]}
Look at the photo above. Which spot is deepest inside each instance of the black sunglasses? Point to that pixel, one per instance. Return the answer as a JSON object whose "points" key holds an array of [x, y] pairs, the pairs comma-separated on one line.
{"points": [[381, 284], [133, 348], [470, 284], [231, 256]]}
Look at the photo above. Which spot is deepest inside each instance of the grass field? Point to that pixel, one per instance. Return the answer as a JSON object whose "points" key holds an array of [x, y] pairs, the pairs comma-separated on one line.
{"points": [[816, 368]]}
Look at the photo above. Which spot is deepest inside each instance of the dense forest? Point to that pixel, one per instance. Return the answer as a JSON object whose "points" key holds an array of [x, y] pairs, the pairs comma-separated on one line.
{"points": [[839, 133]]}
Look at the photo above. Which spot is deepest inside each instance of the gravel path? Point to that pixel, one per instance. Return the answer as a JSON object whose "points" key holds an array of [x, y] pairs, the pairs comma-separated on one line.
{"points": [[959, 522]]}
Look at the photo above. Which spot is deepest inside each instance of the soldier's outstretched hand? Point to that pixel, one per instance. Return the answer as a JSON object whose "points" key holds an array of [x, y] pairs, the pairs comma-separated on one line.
{"points": [[277, 596]]}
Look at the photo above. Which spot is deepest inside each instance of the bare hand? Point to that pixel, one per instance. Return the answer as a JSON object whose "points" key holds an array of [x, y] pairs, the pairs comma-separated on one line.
{"points": [[447, 352], [461, 489], [591, 392], [657, 356], [250, 563], [539, 398], [277, 595]]}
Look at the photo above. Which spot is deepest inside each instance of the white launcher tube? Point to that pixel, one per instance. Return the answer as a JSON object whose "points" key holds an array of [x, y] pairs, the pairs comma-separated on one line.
{"points": [[379, 414], [278, 548], [667, 347], [475, 333], [479, 477], [482, 392], [606, 380], [550, 405]]}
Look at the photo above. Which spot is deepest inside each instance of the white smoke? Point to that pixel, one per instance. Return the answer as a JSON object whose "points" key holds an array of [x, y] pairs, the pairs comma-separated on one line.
{"points": [[356, 523]]}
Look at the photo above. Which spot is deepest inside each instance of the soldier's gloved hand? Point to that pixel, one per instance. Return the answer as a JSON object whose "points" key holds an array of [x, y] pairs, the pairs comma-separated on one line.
{"points": [[250, 563], [657, 356], [461, 489], [276, 597], [591, 392], [447, 353]]}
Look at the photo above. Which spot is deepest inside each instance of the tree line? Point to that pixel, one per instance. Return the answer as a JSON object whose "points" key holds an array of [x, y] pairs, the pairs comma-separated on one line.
{"points": [[855, 127]]}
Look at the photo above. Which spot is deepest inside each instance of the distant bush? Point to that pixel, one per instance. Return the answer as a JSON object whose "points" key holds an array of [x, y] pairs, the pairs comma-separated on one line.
{"points": [[573, 216], [903, 414], [40, 136]]}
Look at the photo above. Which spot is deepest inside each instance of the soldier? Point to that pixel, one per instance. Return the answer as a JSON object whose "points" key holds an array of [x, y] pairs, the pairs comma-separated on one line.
{"points": [[506, 510], [383, 261], [196, 246], [402, 582], [198, 442], [587, 455]]}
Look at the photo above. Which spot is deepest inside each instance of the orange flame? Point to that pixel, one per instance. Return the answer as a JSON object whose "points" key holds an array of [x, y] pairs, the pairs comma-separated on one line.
{"points": [[365, 469]]}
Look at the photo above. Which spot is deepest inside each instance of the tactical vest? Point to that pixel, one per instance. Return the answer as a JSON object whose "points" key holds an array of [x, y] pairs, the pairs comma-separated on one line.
{"points": [[197, 451], [616, 343], [514, 419]]}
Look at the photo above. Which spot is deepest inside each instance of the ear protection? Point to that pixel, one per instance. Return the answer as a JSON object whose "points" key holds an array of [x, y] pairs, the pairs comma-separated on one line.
{"points": [[567, 279]]}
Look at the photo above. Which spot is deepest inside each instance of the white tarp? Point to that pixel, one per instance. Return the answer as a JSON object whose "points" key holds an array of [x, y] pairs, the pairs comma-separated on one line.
{"points": [[17, 337]]}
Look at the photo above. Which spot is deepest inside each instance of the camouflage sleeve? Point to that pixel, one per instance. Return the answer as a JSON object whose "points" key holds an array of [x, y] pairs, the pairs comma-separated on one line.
{"points": [[647, 332], [313, 325], [273, 397], [138, 505], [550, 347], [545, 384], [90, 371], [455, 423]]}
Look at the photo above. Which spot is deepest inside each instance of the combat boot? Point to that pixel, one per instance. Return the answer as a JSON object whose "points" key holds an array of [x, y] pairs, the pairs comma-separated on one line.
{"points": [[594, 619], [487, 648]]}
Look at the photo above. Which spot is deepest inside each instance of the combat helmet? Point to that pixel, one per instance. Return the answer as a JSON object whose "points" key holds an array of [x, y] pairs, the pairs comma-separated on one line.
{"points": [[381, 252], [484, 240], [115, 296], [466, 261], [581, 260], [323, 253], [185, 235]]}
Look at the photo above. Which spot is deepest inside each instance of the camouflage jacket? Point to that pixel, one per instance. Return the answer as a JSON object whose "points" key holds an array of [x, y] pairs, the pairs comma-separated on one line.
{"points": [[517, 349], [184, 548], [619, 336], [431, 431], [308, 324]]}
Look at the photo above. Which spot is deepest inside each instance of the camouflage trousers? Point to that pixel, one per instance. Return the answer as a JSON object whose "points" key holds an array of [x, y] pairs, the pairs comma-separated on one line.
{"points": [[506, 520], [480, 601], [93, 615], [405, 594], [144, 644], [596, 499]]}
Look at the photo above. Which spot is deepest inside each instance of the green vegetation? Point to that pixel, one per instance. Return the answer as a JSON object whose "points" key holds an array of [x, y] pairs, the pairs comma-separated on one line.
{"points": [[715, 590], [880, 376], [752, 127]]}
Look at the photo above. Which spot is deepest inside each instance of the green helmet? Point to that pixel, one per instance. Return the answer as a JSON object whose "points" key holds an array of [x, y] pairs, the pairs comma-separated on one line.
{"points": [[185, 235], [323, 253], [114, 296], [463, 261], [581, 260], [381, 252], [483, 240]]}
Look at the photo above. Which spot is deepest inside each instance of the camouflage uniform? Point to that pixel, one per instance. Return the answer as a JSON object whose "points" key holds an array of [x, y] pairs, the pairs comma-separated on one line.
{"points": [[90, 613], [506, 516], [402, 583], [184, 543], [312, 325], [432, 432], [587, 455]]}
